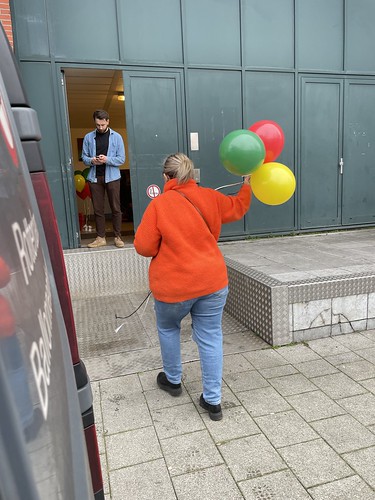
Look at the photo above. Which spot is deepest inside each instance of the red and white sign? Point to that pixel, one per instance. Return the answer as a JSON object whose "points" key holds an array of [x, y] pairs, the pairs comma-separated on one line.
{"points": [[153, 191]]}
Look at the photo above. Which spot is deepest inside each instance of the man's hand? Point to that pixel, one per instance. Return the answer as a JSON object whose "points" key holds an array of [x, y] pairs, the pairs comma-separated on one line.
{"points": [[98, 160], [246, 179]]}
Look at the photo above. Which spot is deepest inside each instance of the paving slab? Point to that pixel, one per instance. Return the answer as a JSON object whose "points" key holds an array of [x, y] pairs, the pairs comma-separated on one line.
{"points": [[344, 433], [315, 462], [281, 485], [250, 457]]}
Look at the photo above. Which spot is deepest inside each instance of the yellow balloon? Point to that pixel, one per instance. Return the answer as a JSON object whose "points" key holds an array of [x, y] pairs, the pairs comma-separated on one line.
{"points": [[79, 182], [273, 183]]}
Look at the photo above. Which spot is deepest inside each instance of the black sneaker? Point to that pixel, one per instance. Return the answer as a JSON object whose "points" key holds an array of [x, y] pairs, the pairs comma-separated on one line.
{"points": [[214, 411], [165, 385]]}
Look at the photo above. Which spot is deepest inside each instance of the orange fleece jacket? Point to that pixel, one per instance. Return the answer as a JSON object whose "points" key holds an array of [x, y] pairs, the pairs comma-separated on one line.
{"points": [[186, 260]]}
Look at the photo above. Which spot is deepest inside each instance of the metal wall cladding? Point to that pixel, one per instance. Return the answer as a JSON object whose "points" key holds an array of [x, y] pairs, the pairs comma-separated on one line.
{"points": [[259, 302], [105, 272]]}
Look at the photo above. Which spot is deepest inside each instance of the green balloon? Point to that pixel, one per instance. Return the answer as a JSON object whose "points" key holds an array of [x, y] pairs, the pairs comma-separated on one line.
{"points": [[77, 172], [242, 152], [85, 172]]}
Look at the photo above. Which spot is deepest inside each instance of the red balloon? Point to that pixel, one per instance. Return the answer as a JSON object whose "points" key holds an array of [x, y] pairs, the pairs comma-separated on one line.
{"points": [[85, 192], [272, 136]]}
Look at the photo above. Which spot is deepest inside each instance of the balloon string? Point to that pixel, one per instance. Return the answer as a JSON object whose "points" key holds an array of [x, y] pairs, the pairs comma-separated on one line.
{"points": [[228, 185]]}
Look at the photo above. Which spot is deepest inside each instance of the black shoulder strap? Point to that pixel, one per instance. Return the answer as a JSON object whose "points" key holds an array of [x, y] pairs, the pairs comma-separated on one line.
{"points": [[196, 208]]}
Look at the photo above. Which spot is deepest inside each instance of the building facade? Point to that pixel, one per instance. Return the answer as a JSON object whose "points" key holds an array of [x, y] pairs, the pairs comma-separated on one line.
{"points": [[191, 71]]}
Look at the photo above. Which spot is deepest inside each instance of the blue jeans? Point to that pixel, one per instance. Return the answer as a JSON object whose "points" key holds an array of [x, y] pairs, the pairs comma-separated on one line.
{"points": [[206, 314]]}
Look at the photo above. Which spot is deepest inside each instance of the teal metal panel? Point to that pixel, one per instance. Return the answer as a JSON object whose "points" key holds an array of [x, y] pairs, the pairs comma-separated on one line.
{"points": [[150, 31], [268, 33], [154, 118], [320, 146], [84, 30], [212, 32], [320, 34], [30, 26], [214, 110], [38, 83], [360, 41], [359, 153], [270, 96]]}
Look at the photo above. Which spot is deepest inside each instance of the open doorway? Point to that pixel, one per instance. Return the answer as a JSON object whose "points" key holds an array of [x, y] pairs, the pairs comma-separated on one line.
{"points": [[87, 90]]}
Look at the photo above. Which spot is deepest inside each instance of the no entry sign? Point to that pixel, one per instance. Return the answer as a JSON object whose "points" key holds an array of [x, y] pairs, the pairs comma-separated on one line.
{"points": [[153, 191]]}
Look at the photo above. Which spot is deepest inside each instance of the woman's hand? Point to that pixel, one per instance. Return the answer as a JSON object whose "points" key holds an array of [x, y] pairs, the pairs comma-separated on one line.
{"points": [[246, 179]]}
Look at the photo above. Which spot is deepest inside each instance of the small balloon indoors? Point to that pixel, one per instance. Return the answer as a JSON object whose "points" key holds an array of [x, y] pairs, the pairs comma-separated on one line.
{"points": [[241, 152], [79, 182], [273, 183], [272, 136]]}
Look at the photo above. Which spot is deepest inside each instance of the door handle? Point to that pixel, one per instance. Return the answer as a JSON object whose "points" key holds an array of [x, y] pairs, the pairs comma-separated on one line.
{"points": [[341, 163]]}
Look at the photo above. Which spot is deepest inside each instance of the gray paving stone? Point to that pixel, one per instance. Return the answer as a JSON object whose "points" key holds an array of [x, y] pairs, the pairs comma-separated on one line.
{"points": [[369, 384], [345, 357], [236, 423], [315, 406], [157, 399], [132, 447], [245, 381], [264, 401], [370, 334], [285, 428], [355, 341], [292, 384], [315, 368], [277, 371], [327, 347], [278, 485], [344, 433], [363, 462], [97, 407], [266, 358], [315, 463], [235, 363], [251, 457], [142, 482], [368, 354], [208, 484], [191, 371], [298, 353], [338, 385], [176, 420], [358, 370], [361, 407], [122, 412], [190, 452], [105, 474], [352, 488], [148, 379]]}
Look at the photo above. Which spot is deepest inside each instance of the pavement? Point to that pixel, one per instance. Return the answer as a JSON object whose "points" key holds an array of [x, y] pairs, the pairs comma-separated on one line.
{"points": [[298, 420]]}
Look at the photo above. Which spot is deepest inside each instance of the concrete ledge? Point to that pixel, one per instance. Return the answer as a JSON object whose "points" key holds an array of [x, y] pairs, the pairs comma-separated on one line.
{"points": [[296, 311]]}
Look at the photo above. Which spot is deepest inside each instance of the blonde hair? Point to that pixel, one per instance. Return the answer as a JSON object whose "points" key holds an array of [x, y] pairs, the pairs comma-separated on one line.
{"points": [[178, 166]]}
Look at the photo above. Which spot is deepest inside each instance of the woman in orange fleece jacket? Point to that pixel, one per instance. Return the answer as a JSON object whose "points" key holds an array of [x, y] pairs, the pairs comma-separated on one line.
{"points": [[188, 274]]}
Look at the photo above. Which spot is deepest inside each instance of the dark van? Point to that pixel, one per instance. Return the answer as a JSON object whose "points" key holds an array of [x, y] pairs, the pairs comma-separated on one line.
{"points": [[48, 442]]}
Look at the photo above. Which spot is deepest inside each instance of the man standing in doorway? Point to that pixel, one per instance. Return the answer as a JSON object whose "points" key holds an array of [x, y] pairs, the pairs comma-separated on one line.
{"points": [[103, 151]]}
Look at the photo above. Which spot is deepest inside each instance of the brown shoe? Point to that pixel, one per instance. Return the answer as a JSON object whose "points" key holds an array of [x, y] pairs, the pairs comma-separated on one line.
{"points": [[99, 242], [118, 242]]}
